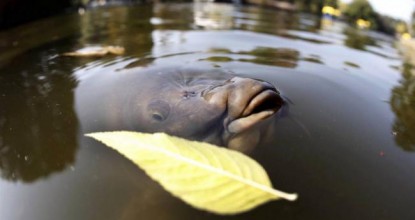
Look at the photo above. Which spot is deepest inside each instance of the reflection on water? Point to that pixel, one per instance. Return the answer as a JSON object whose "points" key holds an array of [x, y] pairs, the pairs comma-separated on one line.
{"points": [[347, 165], [225, 17], [351, 64], [403, 105], [357, 40], [283, 57], [38, 125]]}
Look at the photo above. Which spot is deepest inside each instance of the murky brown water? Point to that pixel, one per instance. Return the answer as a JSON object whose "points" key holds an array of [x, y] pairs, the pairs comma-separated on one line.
{"points": [[346, 145]]}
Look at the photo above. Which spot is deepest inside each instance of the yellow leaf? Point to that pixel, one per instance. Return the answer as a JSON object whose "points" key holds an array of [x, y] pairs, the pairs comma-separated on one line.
{"points": [[205, 176]]}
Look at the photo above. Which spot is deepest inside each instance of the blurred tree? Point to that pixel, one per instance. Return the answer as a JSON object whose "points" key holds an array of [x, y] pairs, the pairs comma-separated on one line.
{"points": [[401, 27], [313, 6], [332, 3], [386, 24], [402, 103], [361, 9], [412, 25]]}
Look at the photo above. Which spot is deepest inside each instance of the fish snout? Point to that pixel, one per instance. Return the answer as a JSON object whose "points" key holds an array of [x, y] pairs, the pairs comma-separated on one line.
{"points": [[249, 102], [246, 101]]}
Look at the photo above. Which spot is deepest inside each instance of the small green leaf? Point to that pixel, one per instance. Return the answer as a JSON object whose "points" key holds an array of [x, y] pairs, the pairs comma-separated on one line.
{"points": [[205, 176]]}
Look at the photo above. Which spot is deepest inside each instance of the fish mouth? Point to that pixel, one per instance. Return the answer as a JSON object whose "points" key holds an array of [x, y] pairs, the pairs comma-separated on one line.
{"points": [[261, 106]]}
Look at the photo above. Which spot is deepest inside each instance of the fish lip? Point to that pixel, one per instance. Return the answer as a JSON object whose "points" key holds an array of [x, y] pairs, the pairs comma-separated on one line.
{"points": [[268, 99], [261, 106]]}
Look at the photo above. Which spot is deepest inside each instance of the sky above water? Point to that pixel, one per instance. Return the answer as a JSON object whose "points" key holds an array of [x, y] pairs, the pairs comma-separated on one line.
{"points": [[395, 8]]}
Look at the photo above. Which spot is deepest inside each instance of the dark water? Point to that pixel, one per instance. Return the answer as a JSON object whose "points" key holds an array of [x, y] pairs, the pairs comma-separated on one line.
{"points": [[346, 147]]}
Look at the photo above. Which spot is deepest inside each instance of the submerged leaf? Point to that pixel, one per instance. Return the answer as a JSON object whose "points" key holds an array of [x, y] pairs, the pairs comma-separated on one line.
{"points": [[207, 177]]}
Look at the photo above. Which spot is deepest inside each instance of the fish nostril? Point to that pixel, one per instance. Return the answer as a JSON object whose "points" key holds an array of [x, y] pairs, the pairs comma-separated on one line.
{"points": [[188, 94]]}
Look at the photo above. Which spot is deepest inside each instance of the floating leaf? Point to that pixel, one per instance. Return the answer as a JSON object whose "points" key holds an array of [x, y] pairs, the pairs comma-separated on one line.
{"points": [[205, 176], [96, 51]]}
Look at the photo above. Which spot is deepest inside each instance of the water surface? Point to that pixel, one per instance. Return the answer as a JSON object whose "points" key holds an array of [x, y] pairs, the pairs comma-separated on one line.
{"points": [[346, 145]]}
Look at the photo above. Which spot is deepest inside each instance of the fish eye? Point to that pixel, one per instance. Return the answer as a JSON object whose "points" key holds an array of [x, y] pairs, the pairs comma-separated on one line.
{"points": [[159, 110], [157, 116]]}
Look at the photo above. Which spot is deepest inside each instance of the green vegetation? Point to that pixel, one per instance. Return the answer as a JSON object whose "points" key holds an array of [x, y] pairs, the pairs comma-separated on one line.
{"points": [[362, 9], [413, 23], [402, 102], [355, 39], [357, 10]]}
